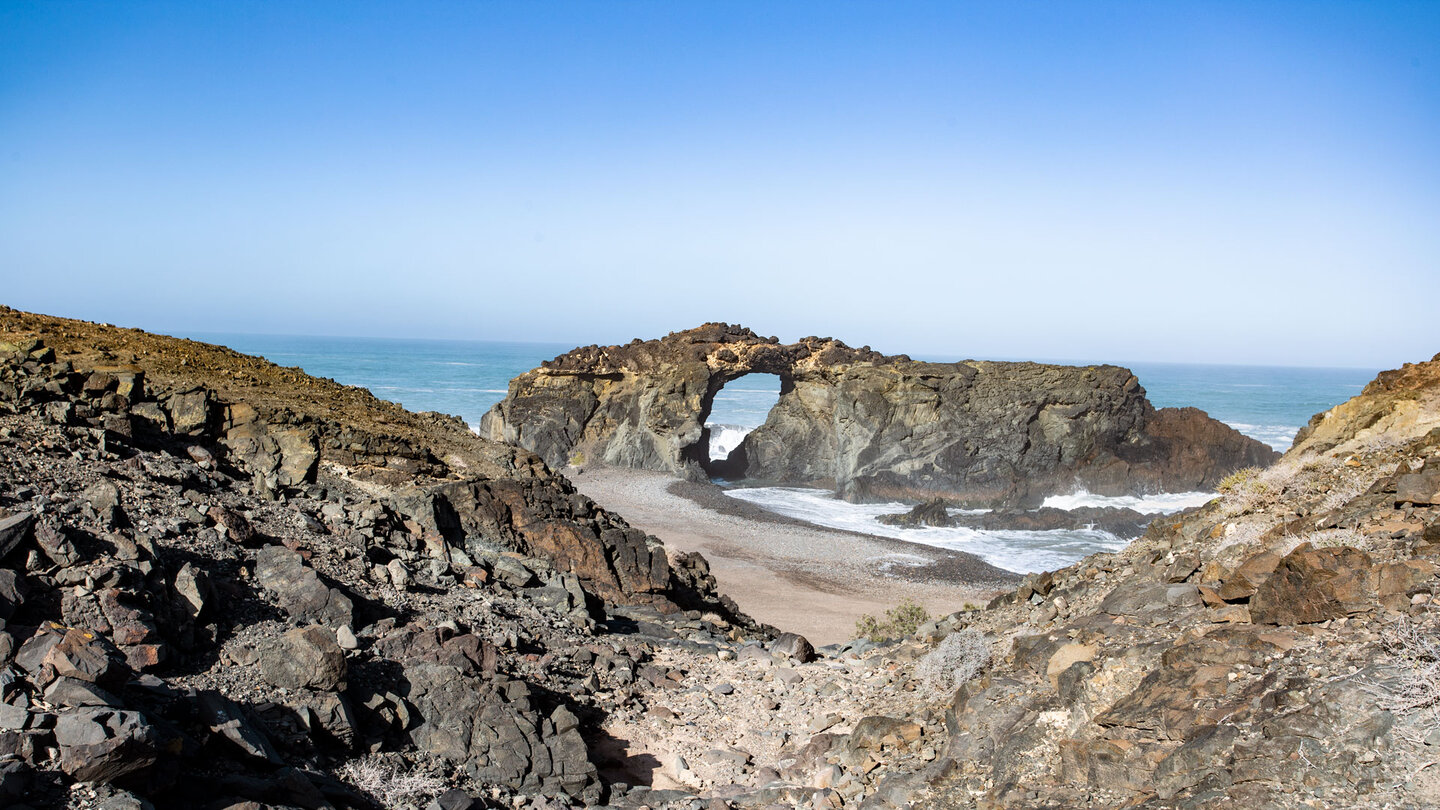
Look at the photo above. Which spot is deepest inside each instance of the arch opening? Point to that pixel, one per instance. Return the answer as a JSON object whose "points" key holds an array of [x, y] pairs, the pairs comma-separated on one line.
{"points": [[739, 407]]}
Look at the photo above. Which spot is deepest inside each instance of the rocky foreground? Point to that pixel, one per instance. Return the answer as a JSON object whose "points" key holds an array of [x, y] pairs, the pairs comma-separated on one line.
{"points": [[225, 584], [867, 425]]}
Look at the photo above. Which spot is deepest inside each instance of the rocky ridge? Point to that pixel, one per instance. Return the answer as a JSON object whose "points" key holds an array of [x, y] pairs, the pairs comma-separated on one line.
{"points": [[217, 568], [868, 425]]}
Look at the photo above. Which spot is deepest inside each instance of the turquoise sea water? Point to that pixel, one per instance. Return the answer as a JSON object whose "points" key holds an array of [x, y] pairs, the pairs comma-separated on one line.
{"points": [[466, 378]]}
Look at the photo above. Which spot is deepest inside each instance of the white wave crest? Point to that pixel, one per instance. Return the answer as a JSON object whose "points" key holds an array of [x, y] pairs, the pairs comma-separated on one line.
{"points": [[1163, 503], [1018, 551], [725, 438]]}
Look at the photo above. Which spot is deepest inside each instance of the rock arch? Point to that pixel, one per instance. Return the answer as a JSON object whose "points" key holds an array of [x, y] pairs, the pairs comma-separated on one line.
{"points": [[869, 425]]}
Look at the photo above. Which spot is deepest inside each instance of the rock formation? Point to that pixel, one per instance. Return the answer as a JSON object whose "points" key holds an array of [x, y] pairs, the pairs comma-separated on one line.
{"points": [[868, 425], [214, 566]]}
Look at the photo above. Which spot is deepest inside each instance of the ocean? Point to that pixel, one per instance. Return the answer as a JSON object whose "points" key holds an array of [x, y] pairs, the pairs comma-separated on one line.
{"points": [[466, 378]]}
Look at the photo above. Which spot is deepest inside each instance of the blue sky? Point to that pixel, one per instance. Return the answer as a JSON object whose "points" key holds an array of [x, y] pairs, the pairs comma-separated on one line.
{"points": [[1216, 182]]}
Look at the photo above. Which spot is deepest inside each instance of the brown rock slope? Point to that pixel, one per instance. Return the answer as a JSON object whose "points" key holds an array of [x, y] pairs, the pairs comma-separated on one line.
{"points": [[868, 425], [1275, 648]]}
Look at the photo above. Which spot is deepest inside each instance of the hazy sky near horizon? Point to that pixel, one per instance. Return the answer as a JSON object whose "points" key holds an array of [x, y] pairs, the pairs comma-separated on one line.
{"points": [[1234, 182]]}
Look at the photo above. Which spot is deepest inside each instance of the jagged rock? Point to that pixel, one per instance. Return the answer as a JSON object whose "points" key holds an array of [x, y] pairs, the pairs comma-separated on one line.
{"points": [[100, 744], [1420, 488], [224, 716], [929, 513], [306, 657], [83, 655], [869, 425], [193, 588], [191, 412], [1249, 576], [330, 712], [412, 643], [1313, 585], [10, 595], [1139, 598], [70, 692], [290, 454], [55, 545], [13, 530], [1117, 521], [299, 589], [104, 497], [494, 729]]}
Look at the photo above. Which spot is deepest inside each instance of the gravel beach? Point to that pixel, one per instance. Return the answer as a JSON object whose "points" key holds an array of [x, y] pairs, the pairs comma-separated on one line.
{"points": [[799, 577]]}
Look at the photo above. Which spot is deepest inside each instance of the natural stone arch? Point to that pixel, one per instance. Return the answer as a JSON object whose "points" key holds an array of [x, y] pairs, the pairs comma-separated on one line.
{"points": [[735, 464], [868, 425]]}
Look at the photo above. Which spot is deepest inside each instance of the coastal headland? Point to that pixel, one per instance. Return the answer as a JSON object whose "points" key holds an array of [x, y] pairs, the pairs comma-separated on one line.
{"points": [[226, 584]]}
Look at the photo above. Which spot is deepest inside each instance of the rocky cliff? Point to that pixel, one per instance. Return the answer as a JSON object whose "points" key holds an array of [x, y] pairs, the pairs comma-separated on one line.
{"points": [[227, 584], [866, 424]]}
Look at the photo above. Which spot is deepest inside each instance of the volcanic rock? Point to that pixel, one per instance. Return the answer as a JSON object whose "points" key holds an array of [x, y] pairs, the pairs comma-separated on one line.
{"points": [[868, 425]]}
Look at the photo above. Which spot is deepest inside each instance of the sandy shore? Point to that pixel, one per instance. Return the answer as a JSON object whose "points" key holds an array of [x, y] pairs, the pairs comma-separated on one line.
{"points": [[794, 575]]}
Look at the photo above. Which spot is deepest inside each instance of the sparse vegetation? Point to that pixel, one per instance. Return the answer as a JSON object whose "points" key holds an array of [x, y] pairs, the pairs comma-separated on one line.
{"points": [[388, 784], [1413, 693], [960, 657], [1237, 480], [900, 621]]}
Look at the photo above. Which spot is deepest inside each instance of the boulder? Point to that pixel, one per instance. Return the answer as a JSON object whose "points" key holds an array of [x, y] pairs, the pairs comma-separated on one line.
{"points": [[495, 730], [299, 590], [13, 530], [1313, 585], [794, 646], [101, 744], [928, 513], [303, 658], [226, 718]]}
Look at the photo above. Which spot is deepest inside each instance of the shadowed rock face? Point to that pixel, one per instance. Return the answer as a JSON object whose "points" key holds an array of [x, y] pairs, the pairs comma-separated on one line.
{"points": [[868, 425]]}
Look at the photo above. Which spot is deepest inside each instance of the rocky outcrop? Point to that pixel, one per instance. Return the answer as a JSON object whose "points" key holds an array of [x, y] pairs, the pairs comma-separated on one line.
{"points": [[221, 581], [868, 425], [1277, 637], [1117, 521]]}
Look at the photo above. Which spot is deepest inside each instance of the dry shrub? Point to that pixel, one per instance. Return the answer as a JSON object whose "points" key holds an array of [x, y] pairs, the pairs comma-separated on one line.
{"points": [[388, 783], [1413, 693], [900, 621], [955, 661]]}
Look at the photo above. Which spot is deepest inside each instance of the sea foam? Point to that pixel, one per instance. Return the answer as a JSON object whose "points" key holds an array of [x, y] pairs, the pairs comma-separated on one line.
{"points": [[1163, 503], [1019, 551]]}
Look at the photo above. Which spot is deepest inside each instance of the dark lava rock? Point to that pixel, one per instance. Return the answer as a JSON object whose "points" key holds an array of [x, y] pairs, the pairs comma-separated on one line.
{"points": [[930, 513], [299, 589], [99, 744], [304, 658]]}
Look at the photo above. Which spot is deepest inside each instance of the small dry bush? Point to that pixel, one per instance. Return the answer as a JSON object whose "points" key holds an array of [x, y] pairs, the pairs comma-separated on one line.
{"points": [[1413, 693], [1237, 479], [900, 621], [955, 661], [389, 785]]}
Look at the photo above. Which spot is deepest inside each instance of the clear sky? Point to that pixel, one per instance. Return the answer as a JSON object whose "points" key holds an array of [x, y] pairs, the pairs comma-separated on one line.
{"points": [[1247, 182]]}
